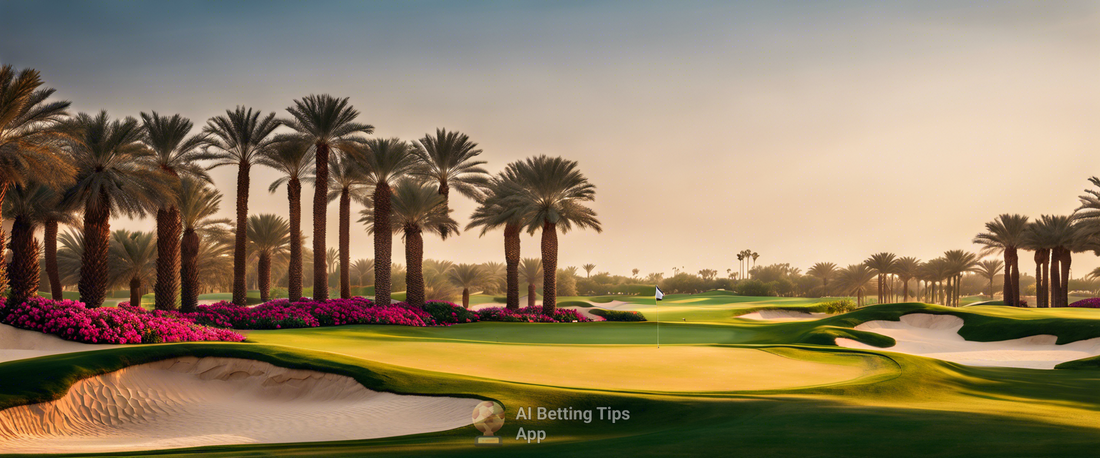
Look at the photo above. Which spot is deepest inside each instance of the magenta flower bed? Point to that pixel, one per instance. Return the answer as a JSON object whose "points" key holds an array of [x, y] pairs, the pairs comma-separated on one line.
{"points": [[282, 314], [71, 320], [1092, 303], [530, 315]]}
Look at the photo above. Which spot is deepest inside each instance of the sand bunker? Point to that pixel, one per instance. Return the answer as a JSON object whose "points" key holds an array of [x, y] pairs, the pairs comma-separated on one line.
{"points": [[187, 402], [782, 315], [18, 343], [937, 336]]}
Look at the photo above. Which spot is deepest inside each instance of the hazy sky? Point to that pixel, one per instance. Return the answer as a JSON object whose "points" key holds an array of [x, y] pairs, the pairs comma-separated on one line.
{"points": [[805, 131]]}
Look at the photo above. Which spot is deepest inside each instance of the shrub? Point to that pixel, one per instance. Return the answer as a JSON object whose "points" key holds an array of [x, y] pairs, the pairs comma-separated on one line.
{"points": [[753, 288], [617, 315], [281, 314], [1092, 303], [835, 307], [449, 313], [71, 320], [530, 315]]}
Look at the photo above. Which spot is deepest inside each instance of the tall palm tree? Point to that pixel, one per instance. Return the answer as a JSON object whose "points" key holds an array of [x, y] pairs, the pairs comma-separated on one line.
{"points": [[853, 280], [133, 261], [906, 269], [532, 273], [29, 138], [293, 158], [240, 138], [494, 211], [467, 277], [113, 177], [449, 159], [588, 268], [1053, 238], [551, 196], [386, 160], [823, 271], [348, 181], [883, 265], [198, 203], [31, 206], [328, 123], [175, 156], [989, 269], [268, 235], [1005, 234], [959, 261], [417, 208]]}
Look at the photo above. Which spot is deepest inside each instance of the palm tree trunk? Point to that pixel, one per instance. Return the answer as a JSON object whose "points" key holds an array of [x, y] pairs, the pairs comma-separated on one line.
{"points": [[264, 273], [549, 268], [1011, 297], [1038, 257], [531, 294], [24, 273], [345, 243], [189, 271], [294, 271], [135, 292], [511, 259], [1055, 277], [906, 288], [466, 298], [1066, 260], [240, 289], [320, 211], [93, 262], [414, 257], [3, 240], [52, 270], [166, 289], [445, 191], [383, 243]]}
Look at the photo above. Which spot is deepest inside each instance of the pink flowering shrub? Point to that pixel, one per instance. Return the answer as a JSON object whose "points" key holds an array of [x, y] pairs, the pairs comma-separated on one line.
{"points": [[282, 314], [1092, 303], [530, 315], [71, 320], [450, 313]]}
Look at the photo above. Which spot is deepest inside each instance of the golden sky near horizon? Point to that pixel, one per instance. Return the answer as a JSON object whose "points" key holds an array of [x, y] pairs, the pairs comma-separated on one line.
{"points": [[805, 132]]}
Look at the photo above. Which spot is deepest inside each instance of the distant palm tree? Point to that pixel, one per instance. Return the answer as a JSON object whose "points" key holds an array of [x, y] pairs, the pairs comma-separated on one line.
{"points": [[552, 196], [588, 268], [959, 262], [417, 208], [741, 263], [883, 265], [133, 261], [754, 255], [496, 273], [29, 139], [175, 156], [269, 236], [1053, 238], [32, 206], [348, 182], [495, 211], [293, 158], [362, 270], [69, 255], [449, 159], [635, 272], [823, 271], [215, 256], [467, 277], [854, 279], [240, 138], [198, 203], [989, 269], [1005, 235], [906, 269], [386, 161], [113, 177], [532, 273], [329, 123]]}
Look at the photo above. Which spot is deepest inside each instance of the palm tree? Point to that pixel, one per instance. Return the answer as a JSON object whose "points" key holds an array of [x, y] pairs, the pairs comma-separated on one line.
{"points": [[348, 182], [385, 161], [494, 211], [29, 137], [175, 156], [113, 177], [531, 270], [240, 138], [754, 256], [449, 159], [853, 280], [328, 123], [989, 269], [268, 235], [883, 265], [69, 255], [906, 269], [588, 269], [495, 273], [741, 263], [1005, 235], [133, 261], [214, 256], [467, 276], [552, 196], [293, 158], [959, 261], [198, 202], [417, 208], [823, 271], [1053, 238], [31, 206], [362, 269]]}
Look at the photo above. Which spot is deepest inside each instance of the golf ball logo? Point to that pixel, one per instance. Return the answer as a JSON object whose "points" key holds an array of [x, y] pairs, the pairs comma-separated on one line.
{"points": [[488, 418]]}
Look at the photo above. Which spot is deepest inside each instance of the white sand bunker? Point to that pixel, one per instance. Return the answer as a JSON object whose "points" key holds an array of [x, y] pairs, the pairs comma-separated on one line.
{"points": [[782, 315], [188, 402], [18, 343], [937, 336]]}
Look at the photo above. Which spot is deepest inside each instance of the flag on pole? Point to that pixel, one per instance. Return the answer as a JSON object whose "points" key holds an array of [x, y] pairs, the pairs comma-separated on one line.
{"points": [[659, 294]]}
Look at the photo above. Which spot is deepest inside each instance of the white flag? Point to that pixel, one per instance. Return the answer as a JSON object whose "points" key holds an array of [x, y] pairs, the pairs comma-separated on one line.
{"points": [[660, 294]]}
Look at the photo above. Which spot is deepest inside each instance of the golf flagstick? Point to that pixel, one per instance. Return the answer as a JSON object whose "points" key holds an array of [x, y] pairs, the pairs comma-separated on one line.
{"points": [[657, 296]]}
